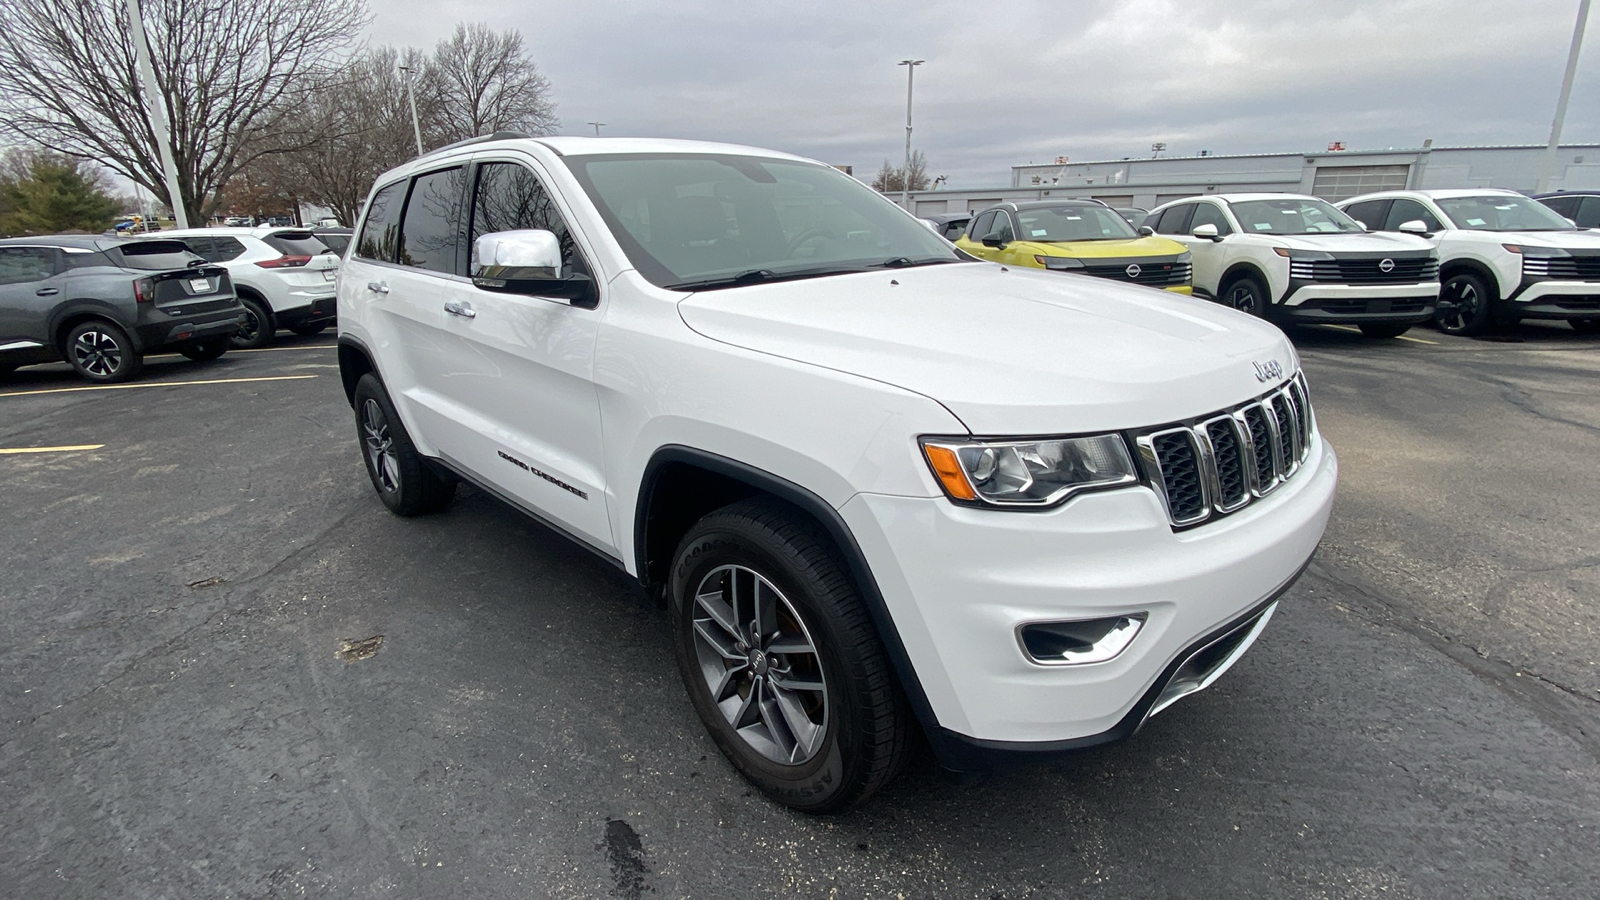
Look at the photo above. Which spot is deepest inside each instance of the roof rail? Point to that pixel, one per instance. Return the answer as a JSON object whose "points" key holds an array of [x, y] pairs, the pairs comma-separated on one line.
{"points": [[497, 136]]}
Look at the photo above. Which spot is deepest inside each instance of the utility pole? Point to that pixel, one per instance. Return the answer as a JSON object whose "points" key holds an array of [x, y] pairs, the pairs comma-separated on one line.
{"points": [[1547, 167], [158, 112], [411, 95], [905, 174], [596, 127]]}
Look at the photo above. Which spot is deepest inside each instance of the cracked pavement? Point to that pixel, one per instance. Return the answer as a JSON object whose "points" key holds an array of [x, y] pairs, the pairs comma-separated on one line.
{"points": [[1419, 720]]}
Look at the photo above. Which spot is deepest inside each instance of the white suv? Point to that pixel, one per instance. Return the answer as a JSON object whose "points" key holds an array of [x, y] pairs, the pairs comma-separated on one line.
{"points": [[285, 277], [1293, 258], [880, 486], [1502, 256]]}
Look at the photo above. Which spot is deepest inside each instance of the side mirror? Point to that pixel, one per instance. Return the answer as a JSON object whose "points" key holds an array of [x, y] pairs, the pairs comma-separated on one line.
{"points": [[993, 239], [1417, 227], [528, 262], [1146, 231], [1363, 225], [1571, 221], [1209, 232]]}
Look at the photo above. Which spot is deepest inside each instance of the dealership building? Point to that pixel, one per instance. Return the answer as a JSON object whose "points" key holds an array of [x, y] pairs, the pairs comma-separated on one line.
{"points": [[1333, 175]]}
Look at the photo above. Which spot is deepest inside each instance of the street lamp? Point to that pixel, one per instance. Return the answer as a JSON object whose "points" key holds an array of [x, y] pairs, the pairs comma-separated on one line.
{"points": [[905, 174], [411, 95], [1548, 164], [596, 127]]}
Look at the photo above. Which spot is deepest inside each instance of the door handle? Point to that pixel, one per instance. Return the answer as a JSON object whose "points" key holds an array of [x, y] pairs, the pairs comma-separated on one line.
{"points": [[377, 287], [46, 292], [460, 308]]}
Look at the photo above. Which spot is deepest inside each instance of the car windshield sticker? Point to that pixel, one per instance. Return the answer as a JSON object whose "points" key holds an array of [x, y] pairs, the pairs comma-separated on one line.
{"points": [[1040, 232], [1474, 221], [1263, 226]]}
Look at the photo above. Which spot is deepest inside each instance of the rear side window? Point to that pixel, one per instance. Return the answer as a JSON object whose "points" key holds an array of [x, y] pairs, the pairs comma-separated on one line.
{"points": [[1404, 211], [295, 243], [203, 247], [511, 198], [226, 248], [380, 231], [154, 255], [19, 265], [1588, 213], [1176, 220], [1564, 205], [433, 217]]}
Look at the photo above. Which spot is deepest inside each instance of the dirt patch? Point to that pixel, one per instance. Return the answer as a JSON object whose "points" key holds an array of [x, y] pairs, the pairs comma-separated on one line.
{"points": [[352, 651]]}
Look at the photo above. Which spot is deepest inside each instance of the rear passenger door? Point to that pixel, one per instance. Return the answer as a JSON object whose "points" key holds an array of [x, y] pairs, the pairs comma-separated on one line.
{"points": [[520, 368]]}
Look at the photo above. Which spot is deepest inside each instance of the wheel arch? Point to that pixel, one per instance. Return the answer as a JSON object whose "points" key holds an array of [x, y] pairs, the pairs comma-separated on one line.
{"points": [[1461, 266], [72, 316], [355, 360], [245, 290], [681, 484], [1239, 270]]}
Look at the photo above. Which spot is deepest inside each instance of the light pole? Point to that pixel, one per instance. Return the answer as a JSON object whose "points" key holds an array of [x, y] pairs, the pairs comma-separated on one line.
{"points": [[411, 96], [905, 174], [158, 113], [1548, 165], [596, 127]]}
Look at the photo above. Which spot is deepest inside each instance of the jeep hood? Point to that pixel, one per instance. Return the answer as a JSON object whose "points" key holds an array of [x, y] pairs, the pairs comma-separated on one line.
{"points": [[1379, 242], [1008, 351]]}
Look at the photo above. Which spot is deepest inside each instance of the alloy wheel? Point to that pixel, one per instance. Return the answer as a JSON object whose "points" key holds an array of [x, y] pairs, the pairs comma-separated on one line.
{"points": [[760, 664], [1467, 300], [97, 353], [1242, 296], [380, 446]]}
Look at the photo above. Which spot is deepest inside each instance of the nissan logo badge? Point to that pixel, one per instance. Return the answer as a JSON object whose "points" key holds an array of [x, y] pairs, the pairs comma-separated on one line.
{"points": [[1134, 270], [1386, 266]]}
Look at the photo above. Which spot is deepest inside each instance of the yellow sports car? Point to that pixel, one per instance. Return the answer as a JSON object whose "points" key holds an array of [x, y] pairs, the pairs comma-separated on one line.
{"points": [[1082, 236]]}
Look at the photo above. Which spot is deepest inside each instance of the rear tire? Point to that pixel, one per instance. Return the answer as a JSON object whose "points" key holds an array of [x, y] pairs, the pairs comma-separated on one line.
{"points": [[311, 330], [1384, 329], [1473, 309], [403, 481], [206, 351], [789, 677], [101, 352], [256, 332], [1585, 326]]}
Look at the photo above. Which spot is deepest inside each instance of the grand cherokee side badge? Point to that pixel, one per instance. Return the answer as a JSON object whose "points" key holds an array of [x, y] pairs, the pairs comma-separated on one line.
{"points": [[547, 477], [1268, 370]]}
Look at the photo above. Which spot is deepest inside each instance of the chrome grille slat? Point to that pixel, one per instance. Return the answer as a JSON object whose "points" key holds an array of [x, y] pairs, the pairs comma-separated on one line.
{"points": [[1224, 462]]}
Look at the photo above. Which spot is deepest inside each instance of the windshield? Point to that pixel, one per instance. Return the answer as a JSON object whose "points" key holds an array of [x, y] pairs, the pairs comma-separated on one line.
{"points": [[1073, 223], [1499, 212], [1292, 215], [693, 221]]}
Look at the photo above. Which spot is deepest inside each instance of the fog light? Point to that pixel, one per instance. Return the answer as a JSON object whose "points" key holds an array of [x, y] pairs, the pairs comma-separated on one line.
{"points": [[1079, 643]]}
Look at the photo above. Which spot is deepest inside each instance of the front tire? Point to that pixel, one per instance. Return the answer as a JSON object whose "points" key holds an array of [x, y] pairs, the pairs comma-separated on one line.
{"points": [[781, 660], [1384, 329], [102, 352], [1471, 312], [403, 481], [1246, 295], [256, 332]]}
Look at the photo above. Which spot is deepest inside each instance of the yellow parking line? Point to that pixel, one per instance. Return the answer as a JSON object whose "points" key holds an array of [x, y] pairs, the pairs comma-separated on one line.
{"points": [[5, 450], [152, 384], [262, 350]]}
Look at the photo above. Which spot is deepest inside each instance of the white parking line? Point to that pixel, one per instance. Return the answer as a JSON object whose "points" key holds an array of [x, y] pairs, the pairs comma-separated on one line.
{"points": [[69, 449], [261, 350], [153, 384], [1398, 337]]}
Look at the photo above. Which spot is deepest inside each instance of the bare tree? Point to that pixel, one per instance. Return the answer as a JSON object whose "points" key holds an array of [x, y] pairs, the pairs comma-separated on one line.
{"points": [[230, 72], [483, 81], [892, 178]]}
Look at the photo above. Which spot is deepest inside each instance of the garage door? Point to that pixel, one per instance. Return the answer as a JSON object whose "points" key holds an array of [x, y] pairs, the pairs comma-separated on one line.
{"points": [[932, 207], [1335, 183]]}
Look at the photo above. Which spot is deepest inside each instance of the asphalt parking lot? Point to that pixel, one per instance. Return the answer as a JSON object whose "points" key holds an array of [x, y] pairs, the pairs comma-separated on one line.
{"points": [[192, 707]]}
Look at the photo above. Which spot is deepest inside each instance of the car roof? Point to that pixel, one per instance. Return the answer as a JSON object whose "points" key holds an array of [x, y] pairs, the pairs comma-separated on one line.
{"points": [[1019, 205], [1566, 194], [258, 231], [1438, 194], [77, 241]]}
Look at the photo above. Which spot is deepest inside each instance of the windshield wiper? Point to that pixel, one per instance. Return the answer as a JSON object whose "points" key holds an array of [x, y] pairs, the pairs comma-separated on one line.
{"points": [[901, 262], [753, 276]]}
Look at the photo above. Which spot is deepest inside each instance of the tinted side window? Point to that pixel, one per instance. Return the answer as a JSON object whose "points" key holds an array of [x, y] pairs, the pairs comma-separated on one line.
{"points": [[203, 247], [1209, 214], [433, 217], [981, 226], [510, 197], [1176, 220], [295, 243], [1405, 211], [1563, 205], [19, 265], [1588, 213], [226, 248], [1002, 224], [381, 229], [1370, 213], [954, 229]]}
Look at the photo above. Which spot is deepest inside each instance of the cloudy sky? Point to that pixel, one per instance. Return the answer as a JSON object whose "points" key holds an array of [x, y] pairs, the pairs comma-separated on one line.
{"points": [[1014, 82]]}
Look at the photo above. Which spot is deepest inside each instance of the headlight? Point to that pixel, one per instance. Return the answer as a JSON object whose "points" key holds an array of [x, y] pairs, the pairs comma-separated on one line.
{"points": [[1185, 257], [1058, 262], [1028, 473], [1537, 252]]}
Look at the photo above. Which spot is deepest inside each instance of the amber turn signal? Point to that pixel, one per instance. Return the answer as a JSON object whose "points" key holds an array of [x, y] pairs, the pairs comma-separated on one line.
{"points": [[948, 469]]}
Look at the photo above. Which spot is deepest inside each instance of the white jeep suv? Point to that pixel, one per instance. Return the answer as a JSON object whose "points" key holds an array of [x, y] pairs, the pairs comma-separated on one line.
{"points": [[1502, 256], [1293, 258], [880, 486], [284, 276]]}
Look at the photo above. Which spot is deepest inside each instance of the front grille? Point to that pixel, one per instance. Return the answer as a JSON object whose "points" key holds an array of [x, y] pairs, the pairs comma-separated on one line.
{"points": [[1223, 462], [1576, 268], [1363, 270], [1153, 272]]}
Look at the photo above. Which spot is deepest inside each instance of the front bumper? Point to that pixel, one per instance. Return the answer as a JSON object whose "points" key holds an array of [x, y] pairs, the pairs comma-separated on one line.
{"points": [[1555, 300], [1312, 302], [958, 581]]}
